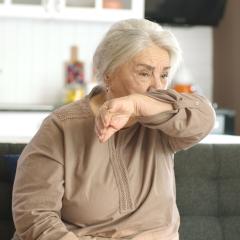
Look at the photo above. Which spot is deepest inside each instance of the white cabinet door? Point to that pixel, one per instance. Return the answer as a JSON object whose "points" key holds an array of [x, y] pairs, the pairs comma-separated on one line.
{"points": [[83, 10], [100, 10], [80, 3], [26, 8], [27, 2]]}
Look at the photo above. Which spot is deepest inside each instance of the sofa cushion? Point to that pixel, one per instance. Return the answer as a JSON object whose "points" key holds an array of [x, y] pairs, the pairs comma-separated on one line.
{"points": [[231, 227], [200, 228], [208, 192], [229, 180], [197, 196], [196, 173], [198, 161]]}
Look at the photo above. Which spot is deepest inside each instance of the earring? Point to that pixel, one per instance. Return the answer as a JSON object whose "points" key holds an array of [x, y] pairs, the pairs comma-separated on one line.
{"points": [[106, 81]]}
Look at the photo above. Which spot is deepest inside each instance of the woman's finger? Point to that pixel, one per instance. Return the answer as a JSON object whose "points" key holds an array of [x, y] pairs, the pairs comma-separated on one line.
{"points": [[99, 125], [97, 130], [105, 116], [109, 132], [118, 121], [106, 113]]}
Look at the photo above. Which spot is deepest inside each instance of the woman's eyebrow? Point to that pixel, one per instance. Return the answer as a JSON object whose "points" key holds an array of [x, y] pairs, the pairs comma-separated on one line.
{"points": [[149, 67], [166, 68]]}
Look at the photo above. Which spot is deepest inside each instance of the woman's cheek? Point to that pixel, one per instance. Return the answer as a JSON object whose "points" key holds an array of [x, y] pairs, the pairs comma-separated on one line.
{"points": [[140, 85]]}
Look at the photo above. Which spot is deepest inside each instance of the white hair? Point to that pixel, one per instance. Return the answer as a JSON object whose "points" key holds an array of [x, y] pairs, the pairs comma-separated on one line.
{"points": [[127, 38]]}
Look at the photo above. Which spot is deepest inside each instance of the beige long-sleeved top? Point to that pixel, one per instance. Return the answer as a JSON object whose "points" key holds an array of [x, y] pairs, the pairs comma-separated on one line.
{"points": [[69, 186]]}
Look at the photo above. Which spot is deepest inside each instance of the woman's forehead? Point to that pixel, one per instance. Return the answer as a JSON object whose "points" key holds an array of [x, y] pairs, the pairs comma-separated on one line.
{"points": [[151, 57]]}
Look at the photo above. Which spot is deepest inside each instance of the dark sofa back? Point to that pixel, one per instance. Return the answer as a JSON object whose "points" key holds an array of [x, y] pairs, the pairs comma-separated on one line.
{"points": [[9, 154], [207, 184], [208, 192]]}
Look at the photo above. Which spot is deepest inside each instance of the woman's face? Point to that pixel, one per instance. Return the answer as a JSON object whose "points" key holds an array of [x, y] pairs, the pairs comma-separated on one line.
{"points": [[148, 70]]}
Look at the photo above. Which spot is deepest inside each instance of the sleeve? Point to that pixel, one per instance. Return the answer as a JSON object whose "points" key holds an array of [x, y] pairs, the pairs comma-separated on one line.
{"points": [[191, 119], [39, 186]]}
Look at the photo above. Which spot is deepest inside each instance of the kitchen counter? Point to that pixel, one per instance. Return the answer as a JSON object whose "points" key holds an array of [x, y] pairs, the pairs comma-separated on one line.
{"points": [[18, 123], [221, 139], [25, 108]]}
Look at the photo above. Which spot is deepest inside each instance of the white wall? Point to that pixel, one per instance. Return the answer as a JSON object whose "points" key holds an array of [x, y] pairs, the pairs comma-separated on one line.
{"points": [[32, 55], [197, 46]]}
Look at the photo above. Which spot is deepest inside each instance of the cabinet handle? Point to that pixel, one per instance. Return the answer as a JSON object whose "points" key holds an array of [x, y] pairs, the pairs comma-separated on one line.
{"points": [[47, 5], [59, 5]]}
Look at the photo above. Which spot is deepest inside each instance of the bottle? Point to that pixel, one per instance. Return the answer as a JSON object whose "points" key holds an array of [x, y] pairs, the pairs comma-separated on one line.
{"points": [[75, 68], [183, 81], [74, 79]]}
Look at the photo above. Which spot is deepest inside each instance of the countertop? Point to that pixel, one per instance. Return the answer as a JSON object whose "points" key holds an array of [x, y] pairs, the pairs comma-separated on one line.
{"points": [[19, 123], [25, 108]]}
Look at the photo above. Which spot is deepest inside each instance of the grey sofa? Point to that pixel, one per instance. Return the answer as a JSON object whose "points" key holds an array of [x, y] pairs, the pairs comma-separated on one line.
{"points": [[208, 191]]}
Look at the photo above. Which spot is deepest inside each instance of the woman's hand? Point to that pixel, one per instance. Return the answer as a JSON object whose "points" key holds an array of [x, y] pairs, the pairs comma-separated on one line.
{"points": [[113, 115], [121, 112]]}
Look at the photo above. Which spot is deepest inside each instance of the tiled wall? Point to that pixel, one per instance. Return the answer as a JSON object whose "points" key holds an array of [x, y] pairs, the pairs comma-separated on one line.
{"points": [[33, 52]]}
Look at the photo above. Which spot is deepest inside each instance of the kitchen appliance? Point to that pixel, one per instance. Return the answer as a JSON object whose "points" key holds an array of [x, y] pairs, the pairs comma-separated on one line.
{"points": [[185, 12], [225, 122]]}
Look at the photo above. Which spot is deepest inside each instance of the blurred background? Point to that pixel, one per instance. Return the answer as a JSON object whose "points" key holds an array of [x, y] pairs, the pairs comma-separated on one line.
{"points": [[46, 49]]}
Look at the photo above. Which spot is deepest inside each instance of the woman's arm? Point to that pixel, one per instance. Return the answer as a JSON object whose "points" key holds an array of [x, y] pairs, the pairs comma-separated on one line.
{"points": [[38, 187], [184, 118], [190, 120]]}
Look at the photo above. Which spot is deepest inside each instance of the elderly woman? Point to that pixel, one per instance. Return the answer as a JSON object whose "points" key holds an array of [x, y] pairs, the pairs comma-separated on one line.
{"points": [[102, 167]]}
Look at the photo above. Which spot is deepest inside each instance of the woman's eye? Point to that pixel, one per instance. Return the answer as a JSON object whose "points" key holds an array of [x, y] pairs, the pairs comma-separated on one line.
{"points": [[164, 76], [144, 74]]}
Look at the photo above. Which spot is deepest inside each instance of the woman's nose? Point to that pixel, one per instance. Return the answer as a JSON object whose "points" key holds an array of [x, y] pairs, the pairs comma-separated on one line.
{"points": [[155, 84]]}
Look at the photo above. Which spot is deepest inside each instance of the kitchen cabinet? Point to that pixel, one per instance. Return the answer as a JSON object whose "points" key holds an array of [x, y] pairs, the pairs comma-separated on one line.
{"points": [[27, 2], [25, 8], [80, 10]]}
